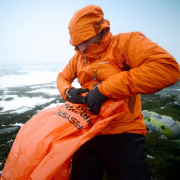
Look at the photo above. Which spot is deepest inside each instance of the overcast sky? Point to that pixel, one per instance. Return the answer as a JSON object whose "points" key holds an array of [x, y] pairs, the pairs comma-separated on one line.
{"points": [[36, 31]]}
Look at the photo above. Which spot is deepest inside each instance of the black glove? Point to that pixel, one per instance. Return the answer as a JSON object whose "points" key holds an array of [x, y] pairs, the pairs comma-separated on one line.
{"points": [[94, 100], [74, 95]]}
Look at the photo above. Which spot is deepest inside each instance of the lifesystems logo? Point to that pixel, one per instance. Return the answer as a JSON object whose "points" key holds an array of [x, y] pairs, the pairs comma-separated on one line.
{"points": [[70, 113], [104, 62]]}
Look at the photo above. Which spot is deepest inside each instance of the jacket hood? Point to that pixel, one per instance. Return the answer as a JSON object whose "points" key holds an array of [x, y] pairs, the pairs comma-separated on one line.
{"points": [[86, 23]]}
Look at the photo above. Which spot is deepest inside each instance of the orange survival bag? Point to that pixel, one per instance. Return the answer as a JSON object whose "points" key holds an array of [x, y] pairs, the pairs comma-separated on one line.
{"points": [[45, 144]]}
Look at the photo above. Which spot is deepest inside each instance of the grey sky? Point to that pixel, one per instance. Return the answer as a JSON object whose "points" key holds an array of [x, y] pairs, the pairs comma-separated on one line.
{"points": [[36, 31]]}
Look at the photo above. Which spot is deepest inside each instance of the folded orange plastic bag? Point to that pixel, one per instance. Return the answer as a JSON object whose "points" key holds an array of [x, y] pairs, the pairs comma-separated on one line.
{"points": [[45, 144]]}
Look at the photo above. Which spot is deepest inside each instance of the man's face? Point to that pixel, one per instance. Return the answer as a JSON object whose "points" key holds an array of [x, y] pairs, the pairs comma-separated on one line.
{"points": [[83, 47]]}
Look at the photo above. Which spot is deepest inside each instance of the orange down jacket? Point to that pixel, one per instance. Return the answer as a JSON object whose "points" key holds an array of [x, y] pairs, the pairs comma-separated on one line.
{"points": [[124, 66]]}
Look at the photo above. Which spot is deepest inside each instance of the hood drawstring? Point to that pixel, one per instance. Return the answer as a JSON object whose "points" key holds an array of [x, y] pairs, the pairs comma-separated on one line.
{"points": [[85, 59]]}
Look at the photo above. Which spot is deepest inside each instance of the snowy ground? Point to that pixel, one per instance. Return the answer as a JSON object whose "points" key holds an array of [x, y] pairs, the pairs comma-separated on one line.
{"points": [[24, 91], [24, 87]]}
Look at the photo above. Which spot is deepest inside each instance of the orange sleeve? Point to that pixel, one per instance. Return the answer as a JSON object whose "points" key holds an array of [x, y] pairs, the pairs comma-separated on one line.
{"points": [[66, 77], [151, 69]]}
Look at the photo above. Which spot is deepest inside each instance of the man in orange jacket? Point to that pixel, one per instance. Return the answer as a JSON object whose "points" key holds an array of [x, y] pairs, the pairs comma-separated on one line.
{"points": [[117, 67]]}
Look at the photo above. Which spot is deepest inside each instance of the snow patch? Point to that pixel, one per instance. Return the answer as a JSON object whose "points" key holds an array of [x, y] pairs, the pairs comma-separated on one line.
{"points": [[45, 90], [10, 141], [21, 104], [150, 157], [33, 77], [17, 124], [53, 105]]}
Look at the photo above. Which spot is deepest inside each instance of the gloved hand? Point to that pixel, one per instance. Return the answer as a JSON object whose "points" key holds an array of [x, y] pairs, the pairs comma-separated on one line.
{"points": [[94, 100], [74, 95]]}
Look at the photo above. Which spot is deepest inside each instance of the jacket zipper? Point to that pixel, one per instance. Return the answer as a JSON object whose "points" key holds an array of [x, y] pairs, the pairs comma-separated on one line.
{"points": [[95, 75]]}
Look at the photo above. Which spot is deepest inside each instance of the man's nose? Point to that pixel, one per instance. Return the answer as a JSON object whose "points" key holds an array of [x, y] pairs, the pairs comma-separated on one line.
{"points": [[82, 47]]}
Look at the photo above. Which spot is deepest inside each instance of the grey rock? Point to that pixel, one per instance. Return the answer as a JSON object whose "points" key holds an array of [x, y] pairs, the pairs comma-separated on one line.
{"points": [[177, 104], [162, 136], [177, 99], [8, 130]]}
